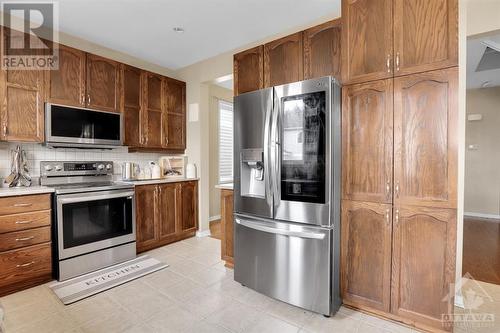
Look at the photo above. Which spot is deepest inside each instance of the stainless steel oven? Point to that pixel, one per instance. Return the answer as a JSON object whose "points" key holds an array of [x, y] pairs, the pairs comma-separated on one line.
{"points": [[92, 221], [94, 217], [68, 126]]}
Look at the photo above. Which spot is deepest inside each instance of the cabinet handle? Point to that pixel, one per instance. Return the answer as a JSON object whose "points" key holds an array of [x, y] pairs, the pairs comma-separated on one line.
{"points": [[387, 216], [24, 239], [396, 188], [388, 188], [26, 264], [23, 205], [397, 62], [397, 216], [388, 63], [24, 222], [5, 129], [88, 99]]}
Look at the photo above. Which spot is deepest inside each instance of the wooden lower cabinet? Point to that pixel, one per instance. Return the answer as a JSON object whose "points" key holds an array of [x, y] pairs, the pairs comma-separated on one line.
{"points": [[25, 242], [227, 233], [423, 264], [165, 213]]}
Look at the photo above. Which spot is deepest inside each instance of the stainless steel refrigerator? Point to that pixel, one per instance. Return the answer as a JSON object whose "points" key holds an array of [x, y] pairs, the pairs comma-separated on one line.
{"points": [[287, 192]]}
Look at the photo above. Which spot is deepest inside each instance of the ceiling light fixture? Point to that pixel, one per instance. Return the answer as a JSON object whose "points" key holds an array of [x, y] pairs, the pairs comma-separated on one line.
{"points": [[178, 29]]}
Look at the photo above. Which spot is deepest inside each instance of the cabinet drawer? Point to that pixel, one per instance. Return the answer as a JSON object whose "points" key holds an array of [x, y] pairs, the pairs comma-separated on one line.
{"points": [[24, 203], [23, 221], [17, 239], [25, 265]]}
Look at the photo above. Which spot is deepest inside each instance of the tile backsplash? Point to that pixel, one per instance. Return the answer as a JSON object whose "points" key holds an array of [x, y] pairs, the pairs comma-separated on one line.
{"points": [[37, 152]]}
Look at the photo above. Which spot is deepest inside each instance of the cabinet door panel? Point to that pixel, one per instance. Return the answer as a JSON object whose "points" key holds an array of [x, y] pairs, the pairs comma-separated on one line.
{"points": [[168, 210], [366, 40], [175, 114], [283, 60], [248, 70], [103, 83], [322, 50], [189, 204], [367, 115], [425, 35], [146, 216], [154, 122], [423, 263], [175, 130], [227, 226], [366, 254], [67, 84], [425, 142], [132, 106]]}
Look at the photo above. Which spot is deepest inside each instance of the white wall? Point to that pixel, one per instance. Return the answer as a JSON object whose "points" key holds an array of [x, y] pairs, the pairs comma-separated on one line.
{"points": [[482, 165]]}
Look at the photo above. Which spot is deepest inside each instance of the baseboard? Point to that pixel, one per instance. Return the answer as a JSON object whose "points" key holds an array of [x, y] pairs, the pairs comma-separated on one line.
{"points": [[204, 233], [483, 216], [214, 218]]}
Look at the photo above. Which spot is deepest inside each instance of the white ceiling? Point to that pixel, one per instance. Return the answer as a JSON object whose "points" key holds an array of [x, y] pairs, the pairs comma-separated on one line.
{"points": [[475, 51], [143, 28]]}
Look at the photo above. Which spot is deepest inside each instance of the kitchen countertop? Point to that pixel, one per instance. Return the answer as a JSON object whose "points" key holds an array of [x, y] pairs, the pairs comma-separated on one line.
{"points": [[225, 186], [157, 181], [13, 191]]}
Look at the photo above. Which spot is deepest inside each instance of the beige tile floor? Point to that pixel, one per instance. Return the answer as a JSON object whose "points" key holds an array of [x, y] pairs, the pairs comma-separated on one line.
{"points": [[195, 294]]}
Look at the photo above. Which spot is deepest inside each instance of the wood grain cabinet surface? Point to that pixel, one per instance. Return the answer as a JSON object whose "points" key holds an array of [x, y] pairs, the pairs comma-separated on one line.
{"points": [[104, 83], [322, 54], [165, 213], [22, 93], [367, 130], [423, 266], [154, 111], [425, 139], [25, 242], [132, 106], [66, 85], [227, 227], [283, 60], [366, 254], [367, 44], [248, 70], [175, 116], [425, 35]]}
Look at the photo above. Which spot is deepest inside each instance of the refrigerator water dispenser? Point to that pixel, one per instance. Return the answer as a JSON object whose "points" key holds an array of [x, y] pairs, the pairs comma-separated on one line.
{"points": [[252, 173]]}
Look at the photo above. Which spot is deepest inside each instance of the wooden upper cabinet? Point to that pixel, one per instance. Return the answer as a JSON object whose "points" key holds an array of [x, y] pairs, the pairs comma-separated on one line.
{"points": [[248, 70], [168, 216], [22, 94], [366, 40], [367, 112], [189, 204], [423, 263], [425, 139], [425, 35], [154, 121], [67, 84], [103, 83], [146, 206], [322, 50], [366, 254], [283, 60], [175, 99], [132, 106]]}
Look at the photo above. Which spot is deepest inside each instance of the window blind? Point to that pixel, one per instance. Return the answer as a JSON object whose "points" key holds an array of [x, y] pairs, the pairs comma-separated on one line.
{"points": [[225, 142]]}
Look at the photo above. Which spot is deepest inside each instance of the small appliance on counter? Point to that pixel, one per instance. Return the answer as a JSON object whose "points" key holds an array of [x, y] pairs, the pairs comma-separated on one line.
{"points": [[130, 171], [191, 170], [19, 172]]}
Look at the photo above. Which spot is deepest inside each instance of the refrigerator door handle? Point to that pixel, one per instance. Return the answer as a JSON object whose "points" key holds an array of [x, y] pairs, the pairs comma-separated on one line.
{"points": [[267, 161], [271, 230], [275, 149]]}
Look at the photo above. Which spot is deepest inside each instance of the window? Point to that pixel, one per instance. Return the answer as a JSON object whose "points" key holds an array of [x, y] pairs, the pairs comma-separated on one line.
{"points": [[225, 142]]}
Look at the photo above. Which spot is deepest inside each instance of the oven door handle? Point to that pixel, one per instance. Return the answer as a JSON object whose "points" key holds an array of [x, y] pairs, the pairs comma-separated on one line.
{"points": [[84, 198]]}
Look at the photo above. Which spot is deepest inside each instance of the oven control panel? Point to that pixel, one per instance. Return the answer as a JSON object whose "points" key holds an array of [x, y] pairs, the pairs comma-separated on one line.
{"points": [[56, 168]]}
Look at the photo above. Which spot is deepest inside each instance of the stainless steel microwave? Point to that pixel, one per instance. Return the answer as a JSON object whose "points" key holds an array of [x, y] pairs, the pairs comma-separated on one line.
{"points": [[69, 126]]}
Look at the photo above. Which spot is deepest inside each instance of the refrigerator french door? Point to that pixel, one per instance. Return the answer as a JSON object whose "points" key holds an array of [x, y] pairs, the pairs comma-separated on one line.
{"points": [[287, 192]]}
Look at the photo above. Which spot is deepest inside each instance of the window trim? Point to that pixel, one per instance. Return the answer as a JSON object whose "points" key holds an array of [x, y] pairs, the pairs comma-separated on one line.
{"points": [[221, 102]]}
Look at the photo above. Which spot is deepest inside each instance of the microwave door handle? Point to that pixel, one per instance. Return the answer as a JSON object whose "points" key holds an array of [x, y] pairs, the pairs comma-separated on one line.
{"points": [[277, 231], [84, 198]]}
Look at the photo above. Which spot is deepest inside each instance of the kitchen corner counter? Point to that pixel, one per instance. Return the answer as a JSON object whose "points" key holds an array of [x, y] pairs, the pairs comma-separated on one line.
{"points": [[225, 186], [139, 182], [15, 191]]}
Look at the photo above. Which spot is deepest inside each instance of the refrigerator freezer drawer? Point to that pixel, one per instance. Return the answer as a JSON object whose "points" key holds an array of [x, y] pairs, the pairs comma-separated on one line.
{"points": [[289, 262]]}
